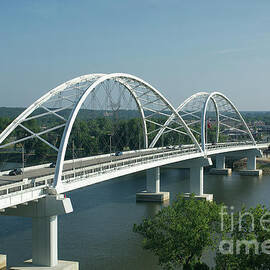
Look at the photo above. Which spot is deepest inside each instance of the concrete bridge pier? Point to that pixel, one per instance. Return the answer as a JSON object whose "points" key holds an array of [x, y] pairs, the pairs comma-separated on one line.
{"points": [[44, 240], [251, 163], [152, 193], [196, 167], [196, 178], [44, 214], [220, 166]]}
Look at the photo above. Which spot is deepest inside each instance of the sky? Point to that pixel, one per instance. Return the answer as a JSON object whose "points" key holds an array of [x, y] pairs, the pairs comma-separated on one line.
{"points": [[179, 46]]}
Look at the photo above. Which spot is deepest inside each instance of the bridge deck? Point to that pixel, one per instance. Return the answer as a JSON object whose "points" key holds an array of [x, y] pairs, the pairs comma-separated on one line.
{"points": [[36, 181], [78, 163]]}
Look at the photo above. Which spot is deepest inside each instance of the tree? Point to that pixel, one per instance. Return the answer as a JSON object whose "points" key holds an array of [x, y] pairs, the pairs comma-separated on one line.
{"points": [[41, 149], [4, 122], [247, 241], [178, 234]]}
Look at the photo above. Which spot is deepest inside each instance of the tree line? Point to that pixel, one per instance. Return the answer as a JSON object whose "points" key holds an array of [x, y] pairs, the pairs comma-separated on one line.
{"points": [[94, 136], [88, 137]]}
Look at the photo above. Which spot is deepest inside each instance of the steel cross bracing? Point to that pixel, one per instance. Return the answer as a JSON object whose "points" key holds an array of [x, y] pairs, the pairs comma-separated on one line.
{"points": [[203, 109], [190, 119]]}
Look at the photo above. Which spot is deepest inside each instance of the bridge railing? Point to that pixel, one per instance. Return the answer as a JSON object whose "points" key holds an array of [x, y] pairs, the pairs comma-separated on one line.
{"points": [[23, 191], [29, 189], [227, 144], [40, 185], [93, 171]]}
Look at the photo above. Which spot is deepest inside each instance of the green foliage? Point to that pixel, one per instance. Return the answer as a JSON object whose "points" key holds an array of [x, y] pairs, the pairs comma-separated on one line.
{"points": [[41, 149], [94, 134], [4, 122], [10, 113], [196, 266], [180, 233], [257, 116], [251, 230]]}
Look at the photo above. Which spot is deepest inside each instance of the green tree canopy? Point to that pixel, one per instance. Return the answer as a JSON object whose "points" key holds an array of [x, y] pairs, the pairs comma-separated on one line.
{"points": [[178, 234], [246, 243]]}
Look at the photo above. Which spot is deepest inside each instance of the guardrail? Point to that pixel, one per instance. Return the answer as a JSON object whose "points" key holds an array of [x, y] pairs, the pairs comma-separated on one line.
{"points": [[40, 185], [230, 144], [35, 167], [107, 167]]}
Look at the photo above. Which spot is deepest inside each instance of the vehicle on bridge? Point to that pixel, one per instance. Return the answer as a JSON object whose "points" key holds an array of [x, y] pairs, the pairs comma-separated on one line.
{"points": [[16, 171], [52, 165]]}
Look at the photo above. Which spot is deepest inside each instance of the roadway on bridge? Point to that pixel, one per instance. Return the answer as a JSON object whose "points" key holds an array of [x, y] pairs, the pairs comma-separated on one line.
{"points": [[36, 173], [93, 161]]}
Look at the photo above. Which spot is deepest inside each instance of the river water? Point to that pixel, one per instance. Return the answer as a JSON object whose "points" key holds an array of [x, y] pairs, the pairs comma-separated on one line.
{"points": [[99, 234]]}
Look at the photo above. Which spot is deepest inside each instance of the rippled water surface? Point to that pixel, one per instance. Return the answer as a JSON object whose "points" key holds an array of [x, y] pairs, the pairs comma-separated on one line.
{"points": [[99, 234]]}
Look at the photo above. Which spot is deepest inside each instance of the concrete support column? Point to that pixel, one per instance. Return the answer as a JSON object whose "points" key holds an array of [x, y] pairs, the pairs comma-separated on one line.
{"points": [[44, 214], [44, 241], [220, 161], [152, 192], [196, 183], [153, 180], [251, 163], [196, 180], [196, 167], [220, 166]]}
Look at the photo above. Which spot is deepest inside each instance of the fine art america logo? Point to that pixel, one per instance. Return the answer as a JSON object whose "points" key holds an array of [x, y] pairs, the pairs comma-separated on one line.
{"points": [[230, 246]]}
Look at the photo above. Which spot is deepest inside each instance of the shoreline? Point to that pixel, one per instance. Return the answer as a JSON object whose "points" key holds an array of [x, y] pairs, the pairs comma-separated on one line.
{"points": [[262, 164]]}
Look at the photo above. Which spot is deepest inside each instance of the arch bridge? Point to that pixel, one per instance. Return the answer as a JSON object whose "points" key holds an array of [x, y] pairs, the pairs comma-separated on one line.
{"points": [[207, 125]]}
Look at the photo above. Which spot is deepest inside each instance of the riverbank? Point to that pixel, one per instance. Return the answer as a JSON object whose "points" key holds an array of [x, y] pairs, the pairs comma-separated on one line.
{"points": [[3, 262], [262, 164]]}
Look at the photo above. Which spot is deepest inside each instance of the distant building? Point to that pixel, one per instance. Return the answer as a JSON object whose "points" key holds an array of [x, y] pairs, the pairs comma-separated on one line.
{"points": [[259, 124]]}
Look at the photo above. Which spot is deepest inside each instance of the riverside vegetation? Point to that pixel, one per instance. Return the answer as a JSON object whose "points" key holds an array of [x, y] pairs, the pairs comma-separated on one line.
{"points": [[90, 136], [180, 233], [94, 134]]}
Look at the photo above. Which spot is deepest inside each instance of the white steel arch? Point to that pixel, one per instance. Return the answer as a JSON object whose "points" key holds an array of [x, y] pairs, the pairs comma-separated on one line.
{"points": [[171, 118], [23, 116], [15, 123], [143, 98], [122, 76], [204, 111], [206, 98]]}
